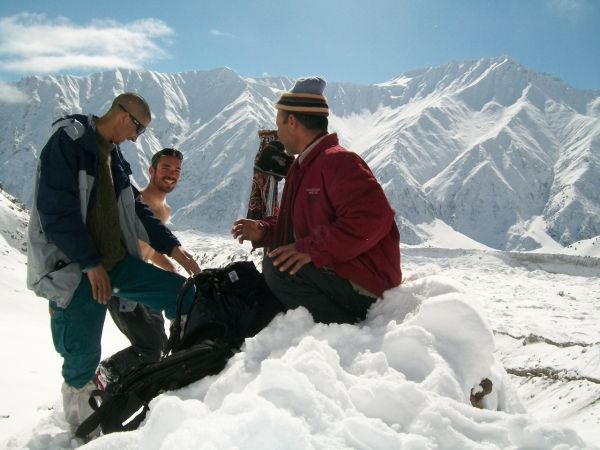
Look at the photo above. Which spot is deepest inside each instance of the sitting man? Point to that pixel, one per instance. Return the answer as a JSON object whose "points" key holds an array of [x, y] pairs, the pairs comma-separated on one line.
{"points": [[335, 246]]}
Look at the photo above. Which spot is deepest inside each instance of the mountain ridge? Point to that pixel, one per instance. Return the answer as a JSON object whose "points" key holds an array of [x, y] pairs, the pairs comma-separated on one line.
{"points": [[486, 146]]}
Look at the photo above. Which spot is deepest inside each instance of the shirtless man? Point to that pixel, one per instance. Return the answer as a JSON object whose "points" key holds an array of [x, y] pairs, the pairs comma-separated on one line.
{"points": [[143, 326], [164, 175]]}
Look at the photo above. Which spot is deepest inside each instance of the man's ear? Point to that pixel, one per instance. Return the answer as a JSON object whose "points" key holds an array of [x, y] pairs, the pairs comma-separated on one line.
{"points": [[151, 170], [292, 120], [123, 117]]}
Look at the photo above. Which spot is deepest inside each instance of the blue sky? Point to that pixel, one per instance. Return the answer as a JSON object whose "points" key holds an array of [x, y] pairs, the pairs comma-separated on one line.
{"points": [[360, 41]]}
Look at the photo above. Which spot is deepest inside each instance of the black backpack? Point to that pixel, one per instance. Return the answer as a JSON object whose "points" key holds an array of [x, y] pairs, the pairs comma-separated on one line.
{"points": [[230, 304]]}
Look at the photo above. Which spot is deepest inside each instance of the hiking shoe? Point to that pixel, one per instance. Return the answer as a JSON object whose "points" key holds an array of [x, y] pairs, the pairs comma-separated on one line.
{"points": [[76, 405], [273, 160], [106, 374]]}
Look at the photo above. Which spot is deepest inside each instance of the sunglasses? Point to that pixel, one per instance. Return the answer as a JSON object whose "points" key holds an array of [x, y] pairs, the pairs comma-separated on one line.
{"points": [[166, 152], [139, 128]]}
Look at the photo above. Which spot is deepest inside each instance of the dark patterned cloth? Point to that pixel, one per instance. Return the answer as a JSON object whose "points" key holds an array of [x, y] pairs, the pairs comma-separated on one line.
{"points": [[263, 197], [263, 200]]}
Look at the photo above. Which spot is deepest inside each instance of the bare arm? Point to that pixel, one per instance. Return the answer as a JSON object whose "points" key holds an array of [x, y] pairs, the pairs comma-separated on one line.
{"points": [[186, 260], [160, 260], [156, 258]]}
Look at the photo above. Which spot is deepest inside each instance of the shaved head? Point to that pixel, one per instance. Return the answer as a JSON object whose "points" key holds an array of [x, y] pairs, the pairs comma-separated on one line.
{"points": [[133, 103]]}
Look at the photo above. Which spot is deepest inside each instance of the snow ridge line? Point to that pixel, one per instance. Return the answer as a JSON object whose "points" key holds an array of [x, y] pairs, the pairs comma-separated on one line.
{"points": [[535, 339], [524, 257], [550, 373], [554, 258]]}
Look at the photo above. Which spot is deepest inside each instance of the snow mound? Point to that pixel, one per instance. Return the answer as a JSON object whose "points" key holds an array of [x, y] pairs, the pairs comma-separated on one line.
{"points": [[401, 379]]}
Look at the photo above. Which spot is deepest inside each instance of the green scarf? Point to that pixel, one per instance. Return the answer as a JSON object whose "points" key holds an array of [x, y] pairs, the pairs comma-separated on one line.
{"points": [[103, 215]]}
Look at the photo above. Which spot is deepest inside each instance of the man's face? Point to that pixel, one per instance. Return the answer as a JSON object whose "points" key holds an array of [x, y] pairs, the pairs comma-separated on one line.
{"points": [[166, 174], [129, 126], [284, 131]]}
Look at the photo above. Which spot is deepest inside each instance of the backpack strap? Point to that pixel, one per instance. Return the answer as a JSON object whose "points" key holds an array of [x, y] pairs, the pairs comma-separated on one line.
{"points": [[175, 329], [121, 412]]}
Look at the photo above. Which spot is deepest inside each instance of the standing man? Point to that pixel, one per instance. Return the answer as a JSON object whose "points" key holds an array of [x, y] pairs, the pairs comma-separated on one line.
{"points": [[143, 326], [83, 237], [334, 247]]}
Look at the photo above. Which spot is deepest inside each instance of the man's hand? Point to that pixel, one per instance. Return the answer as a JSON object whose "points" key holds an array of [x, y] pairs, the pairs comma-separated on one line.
{"points": [[186, 260], [100, 283], [248, 230], [287, 258]]}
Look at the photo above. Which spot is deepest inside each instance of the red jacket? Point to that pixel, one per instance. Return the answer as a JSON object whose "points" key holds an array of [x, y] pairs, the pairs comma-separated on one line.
{"points": [[340, 216]]}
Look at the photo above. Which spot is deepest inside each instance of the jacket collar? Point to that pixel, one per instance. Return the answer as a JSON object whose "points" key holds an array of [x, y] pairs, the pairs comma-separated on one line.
{"points": [[329, 140], [89, 139]]}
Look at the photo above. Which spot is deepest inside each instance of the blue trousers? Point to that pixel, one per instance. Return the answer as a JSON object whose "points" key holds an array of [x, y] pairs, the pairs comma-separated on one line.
{"points": [[77, 329]]}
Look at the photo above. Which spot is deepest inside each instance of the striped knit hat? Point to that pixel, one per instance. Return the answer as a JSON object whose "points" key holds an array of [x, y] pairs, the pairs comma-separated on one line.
{"points": [[306, 97]]}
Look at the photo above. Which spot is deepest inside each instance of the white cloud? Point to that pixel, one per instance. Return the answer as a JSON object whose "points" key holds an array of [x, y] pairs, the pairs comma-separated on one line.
{"points": [[11, 94], [221, 33], [569, 9], [34, 43]]}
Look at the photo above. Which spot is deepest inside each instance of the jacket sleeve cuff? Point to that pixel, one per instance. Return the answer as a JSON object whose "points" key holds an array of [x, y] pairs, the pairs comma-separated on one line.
{"points": [[86, 267], [170, 250]]}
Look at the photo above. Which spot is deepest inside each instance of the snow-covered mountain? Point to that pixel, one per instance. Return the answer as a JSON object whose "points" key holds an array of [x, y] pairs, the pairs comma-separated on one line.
{"points": [[13, 224], [489, 147]]}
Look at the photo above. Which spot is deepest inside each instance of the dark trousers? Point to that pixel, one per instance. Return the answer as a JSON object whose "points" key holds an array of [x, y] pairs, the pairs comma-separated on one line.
{"points": [[328, 297], [145, 329]]}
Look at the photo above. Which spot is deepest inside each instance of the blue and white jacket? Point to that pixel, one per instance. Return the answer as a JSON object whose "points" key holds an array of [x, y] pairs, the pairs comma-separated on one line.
{"points": [[60, 247]]}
